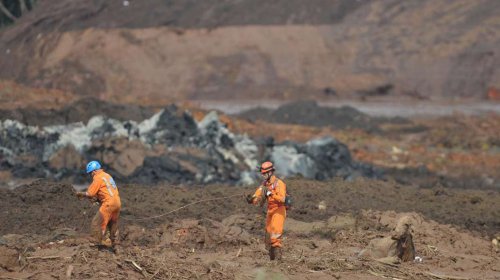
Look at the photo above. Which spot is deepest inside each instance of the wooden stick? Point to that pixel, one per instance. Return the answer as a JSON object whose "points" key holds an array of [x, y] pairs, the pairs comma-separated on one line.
{"points": [[6, 12], [382, 275], [446, 277], [44, 258], [10, 278], [22, 4], [156, 273], [387, 263], [69, 271], [316, 271], [136, 266]]}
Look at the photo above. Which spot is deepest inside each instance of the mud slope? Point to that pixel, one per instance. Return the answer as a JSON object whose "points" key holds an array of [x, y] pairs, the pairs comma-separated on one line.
{"points": [[418, 48], [43, 205]]}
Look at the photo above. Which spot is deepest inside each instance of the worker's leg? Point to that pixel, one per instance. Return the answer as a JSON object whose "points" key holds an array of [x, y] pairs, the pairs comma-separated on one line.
{"points": [[104, 220], [267, 238], [95, 227], [276, 225], [113, 226], [276, 232]]}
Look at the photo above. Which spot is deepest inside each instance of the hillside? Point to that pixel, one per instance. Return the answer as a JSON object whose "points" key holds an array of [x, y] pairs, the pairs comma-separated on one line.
{"points": [[178, 50]]}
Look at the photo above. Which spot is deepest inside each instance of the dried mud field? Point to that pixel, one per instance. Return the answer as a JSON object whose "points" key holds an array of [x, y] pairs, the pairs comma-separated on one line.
{"points": [[44, 233]]}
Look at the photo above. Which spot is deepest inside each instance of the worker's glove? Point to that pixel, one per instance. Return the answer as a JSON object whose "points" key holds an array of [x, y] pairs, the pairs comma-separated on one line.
{"points": [[80, 194], [268, 193], [249, 199]]}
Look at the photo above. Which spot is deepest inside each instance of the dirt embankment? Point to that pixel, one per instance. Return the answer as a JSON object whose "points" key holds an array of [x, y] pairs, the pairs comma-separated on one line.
{"points": [[43, 233], [261, 51]]}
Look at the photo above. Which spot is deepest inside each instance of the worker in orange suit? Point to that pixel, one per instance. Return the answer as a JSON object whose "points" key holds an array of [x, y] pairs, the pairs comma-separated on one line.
{"points": [[273, 190], [103, 188]]}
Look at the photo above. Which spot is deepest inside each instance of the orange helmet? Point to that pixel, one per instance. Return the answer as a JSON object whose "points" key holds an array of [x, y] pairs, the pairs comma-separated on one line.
{"points": [[266, 167]]}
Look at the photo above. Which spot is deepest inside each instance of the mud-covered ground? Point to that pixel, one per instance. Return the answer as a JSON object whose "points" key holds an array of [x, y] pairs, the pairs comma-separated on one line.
{"points": [[44, 233], [443, 171]]}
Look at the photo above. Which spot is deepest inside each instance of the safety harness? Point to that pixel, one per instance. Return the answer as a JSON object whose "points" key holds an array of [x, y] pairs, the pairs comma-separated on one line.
{"points": [[288, 198]]}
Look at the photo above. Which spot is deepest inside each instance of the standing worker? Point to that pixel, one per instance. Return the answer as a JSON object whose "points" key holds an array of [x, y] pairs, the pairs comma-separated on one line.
{"points": [[103, 188], [274, 190]]}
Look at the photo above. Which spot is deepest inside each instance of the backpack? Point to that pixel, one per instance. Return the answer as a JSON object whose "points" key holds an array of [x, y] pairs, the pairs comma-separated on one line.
{"points": [[288, 201]]}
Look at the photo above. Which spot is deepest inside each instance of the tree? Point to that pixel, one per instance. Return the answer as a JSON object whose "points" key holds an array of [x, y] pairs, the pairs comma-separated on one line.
{"points": [[11, 10]]}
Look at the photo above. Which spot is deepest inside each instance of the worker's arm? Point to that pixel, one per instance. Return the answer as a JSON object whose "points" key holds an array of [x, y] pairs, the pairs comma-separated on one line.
{"points": [[91, 191], [256, 197], [84, 194], [280, 192]]}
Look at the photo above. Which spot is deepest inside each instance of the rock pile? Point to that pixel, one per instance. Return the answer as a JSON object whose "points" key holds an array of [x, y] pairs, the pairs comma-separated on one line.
{"points": [[169, 146]]}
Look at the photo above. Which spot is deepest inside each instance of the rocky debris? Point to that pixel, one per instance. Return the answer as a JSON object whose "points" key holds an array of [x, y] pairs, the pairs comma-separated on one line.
{"points": [[232, 150], [172, 126], [162, 169], [120, 154], [311, 114], [320, 159], [170, 146]]}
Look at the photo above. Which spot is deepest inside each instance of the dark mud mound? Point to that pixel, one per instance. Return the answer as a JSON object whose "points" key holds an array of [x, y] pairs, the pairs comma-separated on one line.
{"points": [[309, 113], [79, 111], [41, 207]]}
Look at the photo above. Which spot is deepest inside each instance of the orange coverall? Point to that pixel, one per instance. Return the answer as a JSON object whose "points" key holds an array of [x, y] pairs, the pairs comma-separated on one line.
{"points": [[276, 210], [104, 188]]}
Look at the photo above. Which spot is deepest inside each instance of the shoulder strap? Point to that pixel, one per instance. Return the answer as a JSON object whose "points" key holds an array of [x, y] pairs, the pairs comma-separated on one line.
{"points": [[275, 183]]}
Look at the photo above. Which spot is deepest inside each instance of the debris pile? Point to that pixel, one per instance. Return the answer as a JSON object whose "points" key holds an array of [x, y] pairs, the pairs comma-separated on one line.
{"points": [[169, 146]]}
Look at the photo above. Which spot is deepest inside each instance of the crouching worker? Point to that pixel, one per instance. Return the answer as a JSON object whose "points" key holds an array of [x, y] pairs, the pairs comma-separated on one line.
{"points": [[103, 188], [274, 191]]}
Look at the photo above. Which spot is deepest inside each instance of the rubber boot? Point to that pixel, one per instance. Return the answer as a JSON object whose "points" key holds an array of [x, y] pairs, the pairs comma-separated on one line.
{"points": [[272, 253], [275, 253], [267, 242]]}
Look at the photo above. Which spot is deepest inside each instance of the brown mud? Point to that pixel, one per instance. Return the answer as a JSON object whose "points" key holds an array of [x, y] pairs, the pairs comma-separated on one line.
{"points": [[45, 228]]}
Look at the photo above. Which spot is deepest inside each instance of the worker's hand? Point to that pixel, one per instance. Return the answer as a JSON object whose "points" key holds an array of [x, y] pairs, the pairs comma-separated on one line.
{"points": [[80, 194], [94, 201], [268, 193], [249, 198]]}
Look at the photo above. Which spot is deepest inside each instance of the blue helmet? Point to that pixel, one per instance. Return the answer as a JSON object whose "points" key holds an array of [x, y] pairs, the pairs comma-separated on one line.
{"points": [[93, 165]]}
